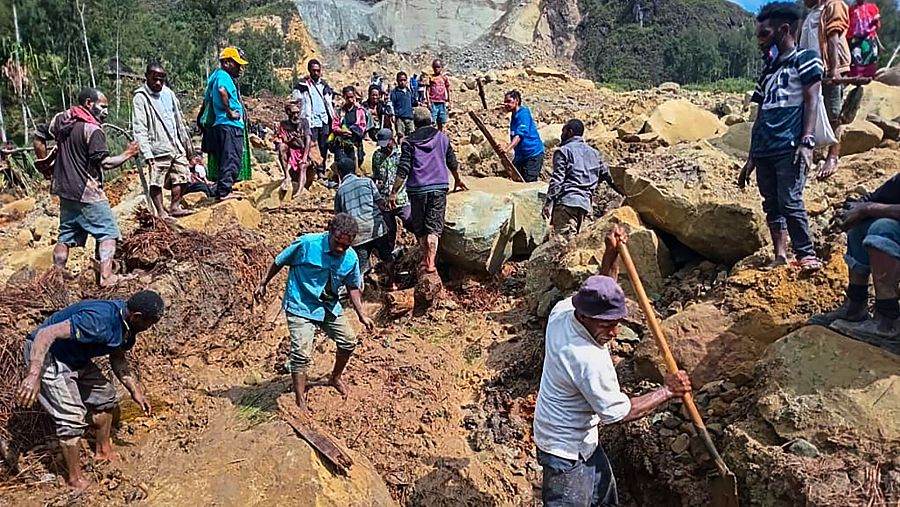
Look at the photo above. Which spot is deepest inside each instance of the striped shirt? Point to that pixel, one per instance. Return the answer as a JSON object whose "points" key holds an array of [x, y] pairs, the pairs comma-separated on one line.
{"points": [[779, 93], [359, 197]]}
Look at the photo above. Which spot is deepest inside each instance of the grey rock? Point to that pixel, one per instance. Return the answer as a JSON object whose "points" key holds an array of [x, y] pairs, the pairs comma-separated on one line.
{"points": [[803, 448]]}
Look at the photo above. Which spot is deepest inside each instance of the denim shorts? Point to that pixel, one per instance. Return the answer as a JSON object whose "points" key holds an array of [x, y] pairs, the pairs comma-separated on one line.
{"points": [[77, 220], [881, 234], [578, 482], [439, 113]]}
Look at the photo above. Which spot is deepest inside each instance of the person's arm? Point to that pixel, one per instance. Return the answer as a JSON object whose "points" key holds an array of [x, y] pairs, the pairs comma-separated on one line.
{"points": [[43, 340], [750, 164], [834, 45], [307, 140], [261, 289], [810, 107], [512, 144], [609, 266], [453, 165], [674, 386], [140, 125], [836, 18], [40, 147], [284, 159], [130, 152], [447, 86], [403, 169], [356, 301], [224, 97], [120, 367]]}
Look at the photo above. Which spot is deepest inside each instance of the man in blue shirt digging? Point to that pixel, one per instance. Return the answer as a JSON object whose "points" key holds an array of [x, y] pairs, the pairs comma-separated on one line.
{"points": [[319, 264], [63, 377], [524, 138]]}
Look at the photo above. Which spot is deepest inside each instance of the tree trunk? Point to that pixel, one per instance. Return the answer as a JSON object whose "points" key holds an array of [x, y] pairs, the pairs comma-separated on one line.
{"points": [[2, 125], [118, 79], [87, 49]]}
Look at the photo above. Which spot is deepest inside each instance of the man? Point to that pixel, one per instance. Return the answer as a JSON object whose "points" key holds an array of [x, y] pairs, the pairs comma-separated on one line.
{"points": [[317, 99], [865, 21], [318, 265], [349, 127], [835, 54], [403, 100], [577, 170], [381, 111], [782, 139], [158, 125], [580, 390], [439, 95], [523, 138], [359, 198], [81, 156], [809, 31], [226, 137], [63, 377], [873, 248], [294, 139], [426, 157]]}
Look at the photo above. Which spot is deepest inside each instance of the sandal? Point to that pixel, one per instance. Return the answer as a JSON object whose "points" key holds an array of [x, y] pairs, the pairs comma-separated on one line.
{"points": [[808, 264]]}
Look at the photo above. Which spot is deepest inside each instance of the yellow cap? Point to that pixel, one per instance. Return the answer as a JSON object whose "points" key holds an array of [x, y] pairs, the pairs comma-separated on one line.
{"points": [[234, 54]]}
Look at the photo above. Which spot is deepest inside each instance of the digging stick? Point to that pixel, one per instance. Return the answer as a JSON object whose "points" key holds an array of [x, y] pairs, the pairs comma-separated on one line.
{"points": [[724, 491], [893, 56], [481, 94], [504, 160]]}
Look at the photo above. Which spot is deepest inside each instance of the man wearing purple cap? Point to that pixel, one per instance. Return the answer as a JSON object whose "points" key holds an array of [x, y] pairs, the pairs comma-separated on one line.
{"points": [[580, 390]]}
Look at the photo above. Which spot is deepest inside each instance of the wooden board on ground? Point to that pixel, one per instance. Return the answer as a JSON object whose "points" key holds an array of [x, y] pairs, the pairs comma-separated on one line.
{"points": [[318, 439]]}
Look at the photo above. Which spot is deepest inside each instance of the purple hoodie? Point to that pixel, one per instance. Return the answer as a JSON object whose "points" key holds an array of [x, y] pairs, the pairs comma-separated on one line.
{"points": [[425, 159]]}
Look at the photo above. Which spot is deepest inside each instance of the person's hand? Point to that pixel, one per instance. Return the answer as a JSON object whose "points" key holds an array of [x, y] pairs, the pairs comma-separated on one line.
{"points": [[286, 184], [677, 384], [234, 115], [804, 157], [615, 237], [260, 293], [142, 402], [392, 200], [852, 214], [746, 171], [459, 186], [367, 322], [28, 391], [132, 149], [547, 211]]}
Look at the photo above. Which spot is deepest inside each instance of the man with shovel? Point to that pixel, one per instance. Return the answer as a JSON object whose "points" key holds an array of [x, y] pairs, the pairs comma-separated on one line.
{"points": [[580, 390]]}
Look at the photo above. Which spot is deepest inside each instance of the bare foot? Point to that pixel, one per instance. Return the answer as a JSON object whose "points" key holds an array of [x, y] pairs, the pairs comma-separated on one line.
{"points": [[828, 169], [180, 212], [78, 484], [303, 407], [336, 383], [107, 456]]}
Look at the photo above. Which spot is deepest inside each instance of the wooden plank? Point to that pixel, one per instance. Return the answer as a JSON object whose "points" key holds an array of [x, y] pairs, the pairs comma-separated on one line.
{"points": [[481, 94], [504, 160], [318, 439]]}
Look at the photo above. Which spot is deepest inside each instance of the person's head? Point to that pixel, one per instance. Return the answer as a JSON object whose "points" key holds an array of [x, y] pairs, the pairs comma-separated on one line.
{"points": [[232, 61], [346, 166], [341, 232], [143, 310], [197, 159], [572, 128], [314, 67], [437, 66], [599, 307], [349, 94], [777, 24], [421, 117], [512, 100], [94, 101], [155, 77], [374, 94], [385, 139], [293, 112], [860, 2], [402, 79]]}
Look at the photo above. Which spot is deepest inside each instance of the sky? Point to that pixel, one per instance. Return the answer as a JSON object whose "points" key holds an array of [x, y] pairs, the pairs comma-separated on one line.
{"points": [[754, 5]]}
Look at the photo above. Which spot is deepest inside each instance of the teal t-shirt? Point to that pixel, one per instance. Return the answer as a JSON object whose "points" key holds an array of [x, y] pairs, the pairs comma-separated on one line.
{"points": [[218, 79]]}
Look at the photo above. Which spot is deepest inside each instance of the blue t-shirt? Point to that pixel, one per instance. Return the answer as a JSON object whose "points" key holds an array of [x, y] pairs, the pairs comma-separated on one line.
{"points": [[218, 79], [522, 124], [98, 328], [315, 275], [779, 93], [402, 101]]}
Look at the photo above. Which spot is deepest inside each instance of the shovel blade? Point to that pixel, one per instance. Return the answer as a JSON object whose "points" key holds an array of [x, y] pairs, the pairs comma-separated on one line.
{"points": [[723, 490]]}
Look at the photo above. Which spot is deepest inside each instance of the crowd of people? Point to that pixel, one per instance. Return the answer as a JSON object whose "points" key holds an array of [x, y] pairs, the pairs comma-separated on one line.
{"points": [[412, 167]]}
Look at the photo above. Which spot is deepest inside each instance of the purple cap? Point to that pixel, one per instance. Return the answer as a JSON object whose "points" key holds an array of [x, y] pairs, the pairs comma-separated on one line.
{"points": [[600, 298]]}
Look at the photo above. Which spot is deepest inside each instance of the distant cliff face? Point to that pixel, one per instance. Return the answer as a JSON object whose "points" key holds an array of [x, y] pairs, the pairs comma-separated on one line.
{"points": [[412, 24]]}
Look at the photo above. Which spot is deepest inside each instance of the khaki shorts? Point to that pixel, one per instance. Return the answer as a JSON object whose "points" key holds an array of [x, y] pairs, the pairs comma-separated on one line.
{"points": [[168, 171], [303, 338], [567, 220]]}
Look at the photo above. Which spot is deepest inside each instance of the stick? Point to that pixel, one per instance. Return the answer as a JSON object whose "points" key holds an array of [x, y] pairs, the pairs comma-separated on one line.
{"points": [[319, 440], [504, 160], [891, 61], [140, 170], [481, 94]]}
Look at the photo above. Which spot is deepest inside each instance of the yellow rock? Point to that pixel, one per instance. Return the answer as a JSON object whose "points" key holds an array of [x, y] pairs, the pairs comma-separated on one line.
{"points": [[39, 259], [542, 71], [220, 215], [678, 121], [18, 208], [23, 237], [880, 99], [45, 228]]}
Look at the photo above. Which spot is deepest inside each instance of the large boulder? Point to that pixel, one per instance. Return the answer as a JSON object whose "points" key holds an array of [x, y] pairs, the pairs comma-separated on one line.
{"points": [[824, 387], [18, 208], [496, 219], [880, 99], [542, 71], [735, 142], [561, 265], [678, 121], [859, 137], [690, 192], [551, 135], [704, 343], [221, 215], [889, 76]]}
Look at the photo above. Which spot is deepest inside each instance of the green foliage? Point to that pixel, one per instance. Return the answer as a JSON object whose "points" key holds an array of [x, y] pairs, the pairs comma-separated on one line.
{"points": [[265, 50], [730, 85]]}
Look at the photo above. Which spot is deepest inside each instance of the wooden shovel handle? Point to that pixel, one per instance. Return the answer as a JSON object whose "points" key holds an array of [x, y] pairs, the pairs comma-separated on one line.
{"points": [[656, 329]]}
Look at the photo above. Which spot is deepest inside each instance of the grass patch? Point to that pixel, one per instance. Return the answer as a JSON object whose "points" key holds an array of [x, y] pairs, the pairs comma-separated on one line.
{"points": [[257, 407]]}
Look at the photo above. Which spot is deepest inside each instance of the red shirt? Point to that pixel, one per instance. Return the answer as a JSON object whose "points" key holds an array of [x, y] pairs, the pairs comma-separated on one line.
{"points": [[863, 21], [438, 89]]}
